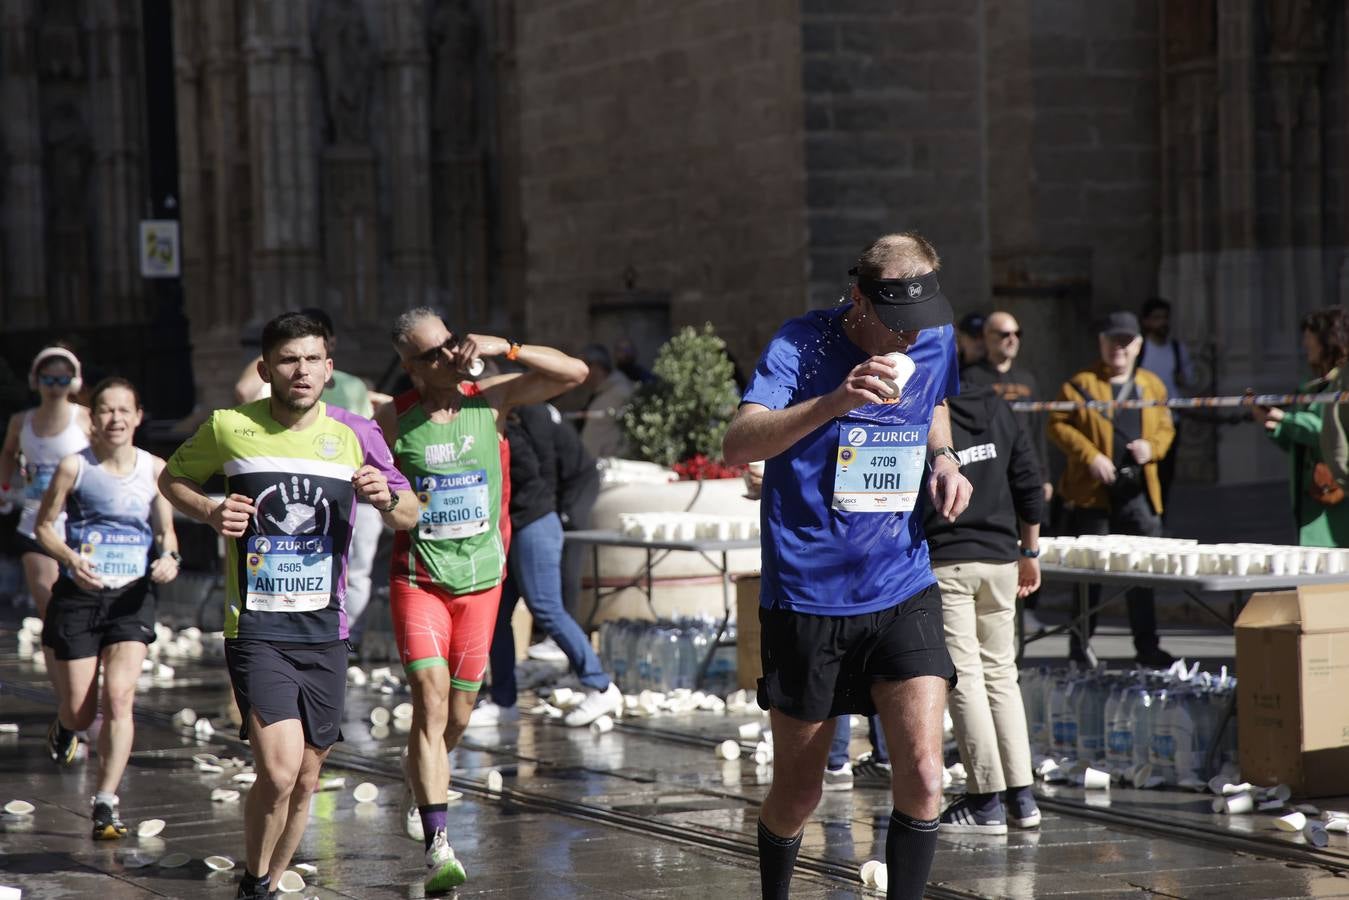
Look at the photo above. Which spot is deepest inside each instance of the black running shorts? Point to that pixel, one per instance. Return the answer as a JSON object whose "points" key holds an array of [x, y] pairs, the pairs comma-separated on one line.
{"points": [[291, 681], [818, 667], [80, 623]]}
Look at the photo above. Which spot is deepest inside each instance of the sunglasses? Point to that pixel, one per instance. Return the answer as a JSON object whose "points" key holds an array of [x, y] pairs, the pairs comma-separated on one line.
{"points": [[54, 380], [429, 357], [1003, 335]]}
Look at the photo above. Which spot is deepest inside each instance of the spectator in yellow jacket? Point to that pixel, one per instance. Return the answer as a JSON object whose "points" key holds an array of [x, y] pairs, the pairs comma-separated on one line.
{"points": [[1110, 485]]}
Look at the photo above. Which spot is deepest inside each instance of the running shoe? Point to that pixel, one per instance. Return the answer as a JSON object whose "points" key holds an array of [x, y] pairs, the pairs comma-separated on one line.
{"points": [[62, 745], [443, 871], [839, 779], [547, 651], [251, 888], [872, 772], [974, 814], [107, 825], [1022, 810], [412, 819], [488, 713], [596, 703]]}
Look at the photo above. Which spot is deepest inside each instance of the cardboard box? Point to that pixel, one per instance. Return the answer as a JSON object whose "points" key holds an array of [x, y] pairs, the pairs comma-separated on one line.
{"points": [[748, 664], [1293, 689]]}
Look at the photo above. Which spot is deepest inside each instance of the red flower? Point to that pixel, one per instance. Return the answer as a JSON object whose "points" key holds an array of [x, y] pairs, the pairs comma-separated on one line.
{"points": [[699, 468]]}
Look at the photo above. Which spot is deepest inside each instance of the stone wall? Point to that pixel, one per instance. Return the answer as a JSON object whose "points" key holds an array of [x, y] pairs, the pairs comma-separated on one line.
{"points": [[661, 162], [895, 136]]}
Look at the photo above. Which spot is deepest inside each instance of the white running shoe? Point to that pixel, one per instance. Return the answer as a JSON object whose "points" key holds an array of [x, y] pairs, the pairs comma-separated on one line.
{"points": [[839, 779], [596, 703], [412, 819], [443, 871], [547, 651], [488, 713]]}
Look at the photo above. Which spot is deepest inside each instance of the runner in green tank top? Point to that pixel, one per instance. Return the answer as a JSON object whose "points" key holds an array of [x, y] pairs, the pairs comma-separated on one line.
{"points": [[447, 438]]}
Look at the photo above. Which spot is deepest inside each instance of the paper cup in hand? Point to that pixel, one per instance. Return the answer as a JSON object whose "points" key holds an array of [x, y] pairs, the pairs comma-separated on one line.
{"points": [[904, 369], [1294, 821], [365, 792]]}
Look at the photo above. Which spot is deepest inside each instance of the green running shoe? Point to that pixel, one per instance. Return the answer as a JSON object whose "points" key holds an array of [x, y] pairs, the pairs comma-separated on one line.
{"points": [[443, 871]]}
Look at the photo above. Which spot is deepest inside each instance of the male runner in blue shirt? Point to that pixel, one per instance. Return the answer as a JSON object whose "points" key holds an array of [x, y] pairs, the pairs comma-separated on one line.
{"points": [[848, 408]]}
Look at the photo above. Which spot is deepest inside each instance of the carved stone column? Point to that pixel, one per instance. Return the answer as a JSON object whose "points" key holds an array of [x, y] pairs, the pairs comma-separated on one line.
{"points": [[279, 58], [116, 106], [406, 80], [22, 217]]}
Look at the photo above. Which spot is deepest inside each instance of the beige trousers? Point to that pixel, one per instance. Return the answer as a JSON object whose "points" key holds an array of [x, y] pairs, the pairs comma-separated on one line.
{"points": [[978, 610]]}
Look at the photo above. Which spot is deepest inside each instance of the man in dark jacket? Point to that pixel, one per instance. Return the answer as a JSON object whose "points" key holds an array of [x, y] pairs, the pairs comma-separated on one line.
{"points": [[983, 561], [534, 571]]}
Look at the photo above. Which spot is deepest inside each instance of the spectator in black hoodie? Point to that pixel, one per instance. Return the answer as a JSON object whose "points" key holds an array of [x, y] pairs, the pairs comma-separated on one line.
{"points": [[981, 570]]}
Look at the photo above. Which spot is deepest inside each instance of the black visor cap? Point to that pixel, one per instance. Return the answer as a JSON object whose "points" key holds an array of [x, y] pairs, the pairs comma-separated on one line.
{"points": [[907, 304]]}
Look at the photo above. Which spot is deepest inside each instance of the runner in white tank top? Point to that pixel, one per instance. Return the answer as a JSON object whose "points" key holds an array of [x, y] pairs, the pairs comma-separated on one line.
{"points": [[54, 429], [103, 607]]}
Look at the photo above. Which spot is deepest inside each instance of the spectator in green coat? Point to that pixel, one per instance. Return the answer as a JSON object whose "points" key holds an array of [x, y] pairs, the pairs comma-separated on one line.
{"points": [[1297, 431]]}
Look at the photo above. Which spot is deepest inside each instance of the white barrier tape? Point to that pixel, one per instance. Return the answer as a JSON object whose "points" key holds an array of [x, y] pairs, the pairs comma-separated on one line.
{"points": [[1245, 400]]}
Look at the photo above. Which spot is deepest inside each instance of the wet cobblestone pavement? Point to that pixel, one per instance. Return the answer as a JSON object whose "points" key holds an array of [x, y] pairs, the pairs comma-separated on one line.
{"points": [[644, 811]]}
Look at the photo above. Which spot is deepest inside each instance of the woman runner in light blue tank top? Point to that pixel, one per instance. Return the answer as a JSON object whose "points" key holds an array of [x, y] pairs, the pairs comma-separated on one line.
{"points": [[102, 607]]}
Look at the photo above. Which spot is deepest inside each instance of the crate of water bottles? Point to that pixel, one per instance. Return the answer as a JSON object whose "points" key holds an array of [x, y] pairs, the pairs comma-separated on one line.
{"points": [[665, 655], [1146, 728]]}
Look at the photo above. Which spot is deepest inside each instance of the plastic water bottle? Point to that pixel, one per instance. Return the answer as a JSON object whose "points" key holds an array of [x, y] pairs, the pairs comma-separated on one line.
{"points": [[1162, 757], [1033, 701], [1141, 713], [1119, 738], [1089, 709], [1062, 721]]}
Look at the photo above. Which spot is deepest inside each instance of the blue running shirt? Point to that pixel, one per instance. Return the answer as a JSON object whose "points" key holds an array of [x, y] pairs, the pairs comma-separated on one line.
{"points": [[822, 553]]}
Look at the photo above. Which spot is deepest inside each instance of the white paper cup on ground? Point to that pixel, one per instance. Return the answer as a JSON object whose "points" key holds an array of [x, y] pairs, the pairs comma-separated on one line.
{"points": [[403, 711], [290, 882], [150, 828], [1095, 779], [1338, 825], [379, 716], [185, 717], [336, 783], [1314, 833], [1238, 804], [19, 808], [1294, 821], [218, 863], [750, 731], [602, 725], [365, 792], [308, 870], [495, 782], [204, 728], [224, 795], [1281, 792], [248, 779], [356, 676], [869, 870], [9, 727], [174, 861], [728, 750]]}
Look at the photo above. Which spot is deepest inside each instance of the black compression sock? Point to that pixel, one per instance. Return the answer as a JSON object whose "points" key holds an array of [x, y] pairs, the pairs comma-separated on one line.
{"points": [[909, 848], [777, 855]]}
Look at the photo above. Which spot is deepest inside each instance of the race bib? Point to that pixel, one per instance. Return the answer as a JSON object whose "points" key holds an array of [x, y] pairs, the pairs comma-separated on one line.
{"points": [[879, 468], [289, 574], [454, 506], [118, 558], [37, 478]]}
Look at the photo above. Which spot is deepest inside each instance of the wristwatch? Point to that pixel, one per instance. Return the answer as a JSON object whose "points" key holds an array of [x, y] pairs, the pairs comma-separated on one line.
{"points": [[1029, 553], [393, 504], [949, 453]]}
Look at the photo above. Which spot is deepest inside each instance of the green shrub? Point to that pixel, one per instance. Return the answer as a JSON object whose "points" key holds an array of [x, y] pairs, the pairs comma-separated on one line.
{"points": [[686, 409]]}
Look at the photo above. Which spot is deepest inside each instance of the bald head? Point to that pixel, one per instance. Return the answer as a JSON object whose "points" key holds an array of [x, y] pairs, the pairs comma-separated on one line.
{"points": [[1002, 337]]}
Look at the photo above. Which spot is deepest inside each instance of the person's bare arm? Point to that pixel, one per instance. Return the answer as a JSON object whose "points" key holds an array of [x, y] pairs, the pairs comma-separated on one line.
{"points": [[1028, 568], [165, 568], [249, 385], [758, 432], [386, 417], [229, 517], [9, 453], [550, 372], [53, 502], [950, 489]]}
